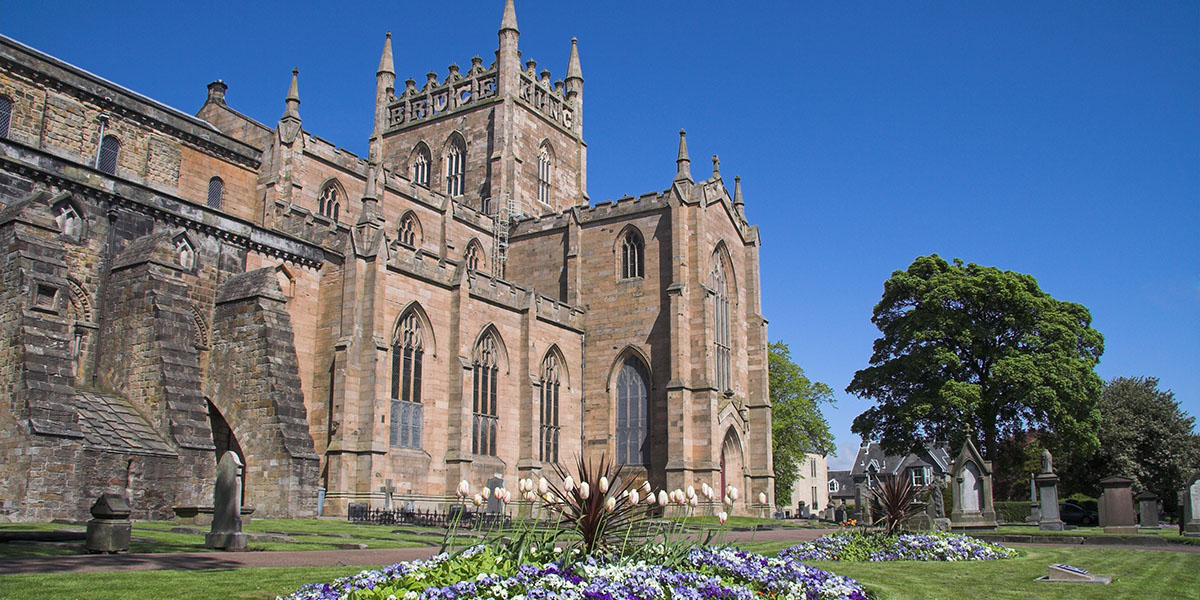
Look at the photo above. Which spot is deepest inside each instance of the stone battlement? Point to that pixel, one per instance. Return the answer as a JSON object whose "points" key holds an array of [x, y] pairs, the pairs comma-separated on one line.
{"points": [[550, 99], [436, 98]]}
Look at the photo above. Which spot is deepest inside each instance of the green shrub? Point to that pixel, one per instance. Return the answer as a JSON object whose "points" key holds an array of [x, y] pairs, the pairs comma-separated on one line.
{"points": [[1013, 511]]}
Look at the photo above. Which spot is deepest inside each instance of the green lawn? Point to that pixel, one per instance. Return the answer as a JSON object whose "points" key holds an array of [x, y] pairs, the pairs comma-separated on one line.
{"points": [[1137, 574], [1170, 534]]}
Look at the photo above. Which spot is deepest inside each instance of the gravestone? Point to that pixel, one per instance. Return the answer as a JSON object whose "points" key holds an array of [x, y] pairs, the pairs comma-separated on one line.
{"points": [[108, 531], [1035, 509], [972, 480], [1061, 573], [388, 489], [1047, 483], [226, 533], [494, 505], [1116, 505], [839, 513], [1190, 519], [937, 499], [1147, 510], [861, 498]]}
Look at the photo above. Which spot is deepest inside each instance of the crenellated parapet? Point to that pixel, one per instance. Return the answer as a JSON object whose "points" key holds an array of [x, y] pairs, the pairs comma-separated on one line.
{"points": [[550, 99], [459, 91]]}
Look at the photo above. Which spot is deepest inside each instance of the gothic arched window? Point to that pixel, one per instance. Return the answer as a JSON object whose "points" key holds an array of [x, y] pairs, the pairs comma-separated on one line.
{"points": [[329, 202], [484, 408], [543, 180], [632, 251], [110, 147], [632, 409], [474, 256], [5, 115], [185, 252], [408, 230], [456, 163], [420, 165], [68, 219], [407, 410], [216, 192], [721, 336], [548, 438]]}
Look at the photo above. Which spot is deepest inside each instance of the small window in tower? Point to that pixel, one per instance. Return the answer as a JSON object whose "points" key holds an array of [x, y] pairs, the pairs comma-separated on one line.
{"points": [[474, 256], [110, 147], [544, 166], [5, 115], [216, 191], [420, 165], [632, 250], [456, 162], [408, 231], [329, 202]]}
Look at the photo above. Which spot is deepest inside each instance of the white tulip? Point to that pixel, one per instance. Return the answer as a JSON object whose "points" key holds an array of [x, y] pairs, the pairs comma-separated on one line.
{"points": [[651, 499], [762, 497], [568, 484], [585, 490], [487, 492], [728, 500], [464, 488], [733, 493], [477, 500], [662, 497], [634, 497], [646, 487], [693, 502], [722, 517], [691, 492], [603, 485], [543, 486], [610, 505]]}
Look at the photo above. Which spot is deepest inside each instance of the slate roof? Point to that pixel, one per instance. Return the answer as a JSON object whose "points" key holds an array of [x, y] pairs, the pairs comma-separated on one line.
{"points": [[110, 423], [938, 458], [845, 484]]}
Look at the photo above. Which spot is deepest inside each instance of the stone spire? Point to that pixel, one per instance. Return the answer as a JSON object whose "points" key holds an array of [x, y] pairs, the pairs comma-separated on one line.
{"points": [[683, 164], [573, 69], [738, 204], [509, 20], [385, 61], [293, 97], [574, 85]]}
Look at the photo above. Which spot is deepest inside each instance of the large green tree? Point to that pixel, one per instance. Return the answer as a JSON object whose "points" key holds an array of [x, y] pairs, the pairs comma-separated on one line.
{"points": [[1144, 435], [974, 348], [797, 425]]}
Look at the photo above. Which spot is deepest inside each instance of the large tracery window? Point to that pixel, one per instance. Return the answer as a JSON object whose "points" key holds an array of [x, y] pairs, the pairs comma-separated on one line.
{"points": [[407, 410], [632, 409], [456, 162], [485, 413], [548, 438], [408, 230], [329, 203], [420, 165], [632, 251], [543, 182], [721, 335]]}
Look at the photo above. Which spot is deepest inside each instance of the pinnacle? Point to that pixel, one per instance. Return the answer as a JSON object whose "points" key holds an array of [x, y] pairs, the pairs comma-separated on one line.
{"points": [[573, 69], [294, 90], [509, 20], [737, 191], [683, 163], [385, 61]]}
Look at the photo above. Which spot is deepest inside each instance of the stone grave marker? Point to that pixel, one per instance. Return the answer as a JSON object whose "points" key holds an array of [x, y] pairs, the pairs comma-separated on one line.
{"points": [[972, 480], [1147, 510], [226, 533], [494, 505], [1061, 573], [388, 489], [1116, 505], [109, 530], [1047, 483], [1190, 518], [1035, 509]]}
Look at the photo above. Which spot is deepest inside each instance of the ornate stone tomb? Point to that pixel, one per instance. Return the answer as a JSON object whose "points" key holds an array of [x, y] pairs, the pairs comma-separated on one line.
{"points": [[971, 478]]}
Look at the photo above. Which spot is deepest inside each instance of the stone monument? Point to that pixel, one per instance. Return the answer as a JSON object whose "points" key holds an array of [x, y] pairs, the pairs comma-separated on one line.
{"points": [[388, 490], [972, 480], [1047, 483], [862, 499], [1035, 509], [1116, 505], [109, 529], [1190, 519], [226, 533], [1147, 510]]}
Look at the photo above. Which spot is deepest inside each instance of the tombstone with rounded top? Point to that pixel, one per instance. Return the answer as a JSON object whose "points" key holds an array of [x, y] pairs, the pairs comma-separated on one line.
{"points": [[1116, 505], [1191, 506], [226, 531], [109, 529]]}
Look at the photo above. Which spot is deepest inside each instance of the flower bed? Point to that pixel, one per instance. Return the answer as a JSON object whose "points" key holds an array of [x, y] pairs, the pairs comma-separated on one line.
{"points": [[706, 573], [861, 546]]}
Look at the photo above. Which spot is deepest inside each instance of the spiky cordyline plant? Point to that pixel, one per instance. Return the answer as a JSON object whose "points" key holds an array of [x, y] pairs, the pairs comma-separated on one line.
{"points": [[590, 516], [895, 502]]}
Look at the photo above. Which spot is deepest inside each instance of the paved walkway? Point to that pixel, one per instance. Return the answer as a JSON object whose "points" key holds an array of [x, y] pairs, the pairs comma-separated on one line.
{"points": [[353, 558]]}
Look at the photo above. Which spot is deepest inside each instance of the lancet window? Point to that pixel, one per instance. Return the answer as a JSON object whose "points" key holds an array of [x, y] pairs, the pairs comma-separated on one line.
{"points": [[721, 335], [216, 192], [110, 147], [543, 181], [407, 410], [408, 230], [485, 419], [456, 163], [632, 409], [548, 409], [329, 202], [5, 115], [420, 165], [632, 251]]}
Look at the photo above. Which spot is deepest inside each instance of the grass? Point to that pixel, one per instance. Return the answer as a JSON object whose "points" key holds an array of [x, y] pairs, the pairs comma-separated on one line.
{"points": [[309, 534], [1137, 574], [711, 521], [1170, 534]]}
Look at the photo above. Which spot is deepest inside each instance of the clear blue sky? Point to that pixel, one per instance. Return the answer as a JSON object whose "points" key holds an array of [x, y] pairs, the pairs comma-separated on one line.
{"points": [[1058, 139]]}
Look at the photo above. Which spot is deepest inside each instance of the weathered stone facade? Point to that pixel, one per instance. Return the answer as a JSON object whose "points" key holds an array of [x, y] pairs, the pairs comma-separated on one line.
{"points": [[217, 284]]}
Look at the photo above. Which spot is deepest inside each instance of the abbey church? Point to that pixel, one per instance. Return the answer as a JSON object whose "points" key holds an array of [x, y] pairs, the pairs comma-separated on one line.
{"points": [[359, 331]]}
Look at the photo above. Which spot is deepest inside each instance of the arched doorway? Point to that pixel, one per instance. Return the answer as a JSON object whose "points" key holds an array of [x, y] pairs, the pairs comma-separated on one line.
{"points": [[225, 441], [732, 465]]}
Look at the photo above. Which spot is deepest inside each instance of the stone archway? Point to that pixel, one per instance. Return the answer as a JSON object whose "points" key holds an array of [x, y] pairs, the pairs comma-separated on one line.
{"points": [[732, 463], [226, 441]]}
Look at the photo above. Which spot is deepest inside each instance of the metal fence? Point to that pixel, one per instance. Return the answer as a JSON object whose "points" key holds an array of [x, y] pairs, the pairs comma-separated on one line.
{"points": [[467, 519]]}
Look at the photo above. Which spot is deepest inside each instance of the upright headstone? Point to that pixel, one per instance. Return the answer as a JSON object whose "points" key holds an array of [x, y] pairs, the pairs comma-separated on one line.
{"points": [[1191, 507], [388, 489], [862, 499], [226, 533], [839, 513], [494, 505], [1035, 509], [1148, 510], [972, 480], [109, 529], [1116, 505], [1047, 483]]}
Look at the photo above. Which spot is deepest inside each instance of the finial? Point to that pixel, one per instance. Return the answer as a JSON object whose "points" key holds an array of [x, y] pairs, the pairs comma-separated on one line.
{"points": [[385, 61], [683, 170], [216, 92], [737, 191], [293, 97], [370, 193], [509, 20], [716, 167], [573, 70]]}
